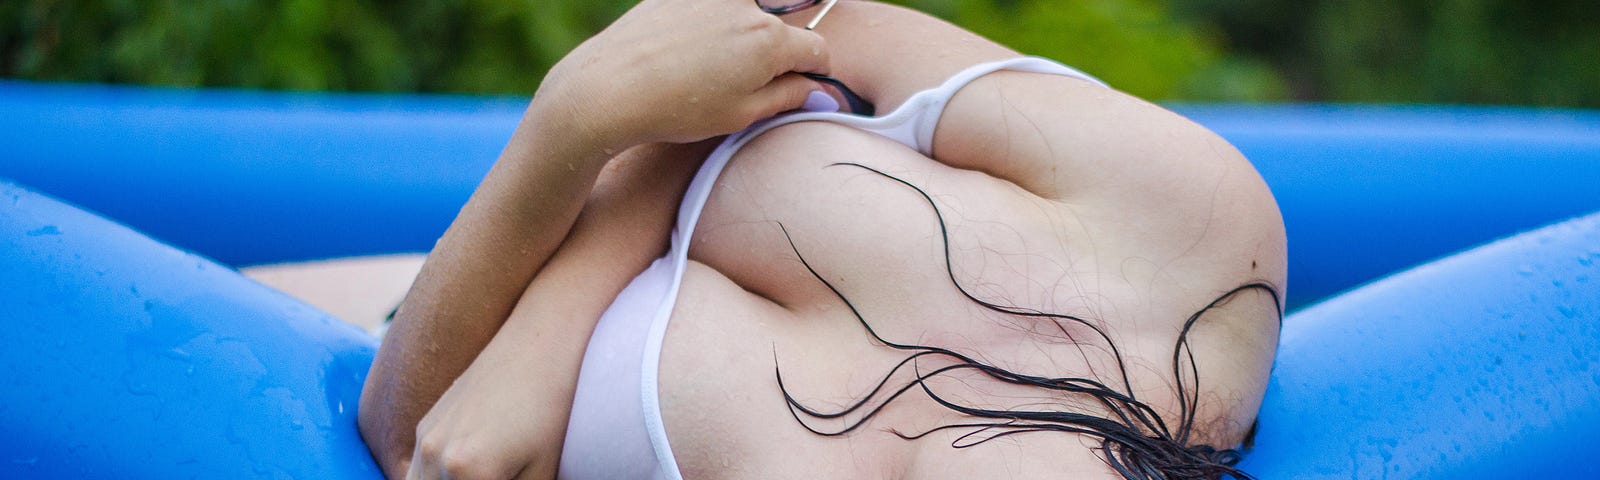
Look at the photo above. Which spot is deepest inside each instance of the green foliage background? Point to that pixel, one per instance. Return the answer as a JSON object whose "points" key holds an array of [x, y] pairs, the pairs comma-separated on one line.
{"points": [[1440, 51]]}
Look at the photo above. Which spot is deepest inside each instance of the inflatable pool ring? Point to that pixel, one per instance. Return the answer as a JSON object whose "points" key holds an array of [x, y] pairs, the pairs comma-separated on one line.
{"points": [[127, 357]]}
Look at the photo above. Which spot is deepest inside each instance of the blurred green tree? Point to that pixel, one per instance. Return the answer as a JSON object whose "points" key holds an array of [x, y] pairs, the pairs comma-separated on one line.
{"points": [[1454, 51], [1139, 46], [475, 46], [490, 46], [1443, 51]]}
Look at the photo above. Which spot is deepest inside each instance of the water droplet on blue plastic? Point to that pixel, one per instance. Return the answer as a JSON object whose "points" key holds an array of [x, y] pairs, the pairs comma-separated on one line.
{"points": [[137, 388], [45, 230]]}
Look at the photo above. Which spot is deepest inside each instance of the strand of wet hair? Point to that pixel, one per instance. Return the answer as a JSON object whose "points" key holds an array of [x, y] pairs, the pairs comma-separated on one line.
{"points": [[1125, 445], [1127, 450], [1142, 413], [944, 232], [1124, 406]]}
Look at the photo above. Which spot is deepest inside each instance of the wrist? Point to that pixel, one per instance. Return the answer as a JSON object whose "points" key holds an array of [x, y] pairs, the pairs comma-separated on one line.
{"points": [[550, 132], [573, 118]]}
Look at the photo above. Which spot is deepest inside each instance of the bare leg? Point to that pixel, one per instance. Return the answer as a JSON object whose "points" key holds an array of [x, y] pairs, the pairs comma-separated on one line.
{"points": [[359, 290]]}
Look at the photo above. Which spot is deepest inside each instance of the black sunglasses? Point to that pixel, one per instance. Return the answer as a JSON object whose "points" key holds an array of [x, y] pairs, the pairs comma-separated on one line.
{"points": [[858, 105], [780, 7]]}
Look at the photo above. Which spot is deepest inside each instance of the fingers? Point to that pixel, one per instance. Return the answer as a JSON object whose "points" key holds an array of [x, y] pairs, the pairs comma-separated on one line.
{"points": [[414, 471], [461, 458], [787, 92], [800, 50]]}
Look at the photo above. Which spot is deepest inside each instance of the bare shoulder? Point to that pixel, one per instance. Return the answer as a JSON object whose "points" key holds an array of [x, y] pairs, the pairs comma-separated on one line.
{"points": [[1183, 233], [1162, 185]]}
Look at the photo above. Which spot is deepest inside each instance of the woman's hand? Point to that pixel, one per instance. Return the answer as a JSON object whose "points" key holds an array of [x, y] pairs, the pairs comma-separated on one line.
{"points": [[681, 71], [667, 71], [505, 416]]}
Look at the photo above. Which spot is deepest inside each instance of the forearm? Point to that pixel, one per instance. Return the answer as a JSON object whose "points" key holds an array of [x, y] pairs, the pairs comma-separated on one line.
{"points": [[1031, 130], [623, 227], [645, 79], [510, 226]]}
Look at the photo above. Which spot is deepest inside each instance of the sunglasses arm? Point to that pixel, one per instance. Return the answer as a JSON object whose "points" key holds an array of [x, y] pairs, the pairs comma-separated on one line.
{"points": [[818, 19]]}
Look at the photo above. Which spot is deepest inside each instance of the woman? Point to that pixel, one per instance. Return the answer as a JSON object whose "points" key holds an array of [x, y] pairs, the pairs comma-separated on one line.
{"points": [[1022, 275]]}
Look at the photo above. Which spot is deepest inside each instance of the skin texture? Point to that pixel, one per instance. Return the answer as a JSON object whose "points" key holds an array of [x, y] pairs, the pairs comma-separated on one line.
{"points": [[1062, 196], [475, 279]]}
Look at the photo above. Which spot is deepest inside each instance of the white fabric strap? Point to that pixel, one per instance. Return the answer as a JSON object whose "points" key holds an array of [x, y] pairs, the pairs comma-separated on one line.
{"points": [[912, 124]]}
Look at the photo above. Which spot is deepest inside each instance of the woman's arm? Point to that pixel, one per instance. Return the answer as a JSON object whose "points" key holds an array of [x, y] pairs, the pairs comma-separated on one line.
{"points": [[471, 280], [508, 411], [650, 77], [1058, 137]]}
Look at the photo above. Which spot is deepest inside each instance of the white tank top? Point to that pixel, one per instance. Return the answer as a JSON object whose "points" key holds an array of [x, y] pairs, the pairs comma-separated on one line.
{"points": [[616, 431]]}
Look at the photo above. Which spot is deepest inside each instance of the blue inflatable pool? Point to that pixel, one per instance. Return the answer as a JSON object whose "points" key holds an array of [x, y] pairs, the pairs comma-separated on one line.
{"points": [[133, 349]]}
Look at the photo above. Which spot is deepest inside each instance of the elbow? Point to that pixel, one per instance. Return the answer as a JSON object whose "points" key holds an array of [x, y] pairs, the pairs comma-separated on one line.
{"points": [[392, 452]]}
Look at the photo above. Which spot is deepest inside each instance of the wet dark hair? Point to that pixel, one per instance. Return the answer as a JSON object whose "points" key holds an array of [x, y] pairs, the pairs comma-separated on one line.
{"points": [[1134, 439]]}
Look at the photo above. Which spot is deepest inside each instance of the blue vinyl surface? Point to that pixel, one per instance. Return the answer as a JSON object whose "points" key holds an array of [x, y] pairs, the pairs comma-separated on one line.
{"points": [[1485, 364], [250, 177], [126, 357]]}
